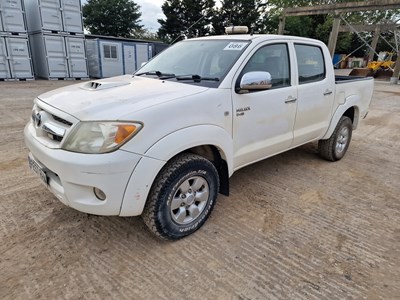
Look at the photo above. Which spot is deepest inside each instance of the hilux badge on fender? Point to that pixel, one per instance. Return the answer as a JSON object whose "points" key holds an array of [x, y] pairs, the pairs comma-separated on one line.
{"points": [[240, 111]]}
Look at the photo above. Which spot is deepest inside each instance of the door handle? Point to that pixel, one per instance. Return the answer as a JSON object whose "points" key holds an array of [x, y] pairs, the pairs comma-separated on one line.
{"points": [[290, 99], [327, 92]]}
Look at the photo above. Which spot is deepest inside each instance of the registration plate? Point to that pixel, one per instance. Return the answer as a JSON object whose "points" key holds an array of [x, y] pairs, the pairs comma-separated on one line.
{"points": [[35, 167]]}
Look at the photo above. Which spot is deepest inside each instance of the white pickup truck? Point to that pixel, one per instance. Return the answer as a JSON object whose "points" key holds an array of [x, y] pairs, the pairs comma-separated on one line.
{"points": [[164, 142]]}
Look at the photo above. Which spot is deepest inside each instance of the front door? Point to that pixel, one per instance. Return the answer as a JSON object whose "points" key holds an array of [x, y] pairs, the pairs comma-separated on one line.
{"points": [[263, 120]]}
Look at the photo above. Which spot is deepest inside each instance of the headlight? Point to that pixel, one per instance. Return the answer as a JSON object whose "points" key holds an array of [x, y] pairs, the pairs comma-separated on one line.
{"points": [[100, 137]]}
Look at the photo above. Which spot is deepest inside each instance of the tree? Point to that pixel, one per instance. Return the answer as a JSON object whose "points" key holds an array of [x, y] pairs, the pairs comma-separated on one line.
{"points": [[145, 34], [236, 12], [185, 17], [319, 26], [112, 17]]}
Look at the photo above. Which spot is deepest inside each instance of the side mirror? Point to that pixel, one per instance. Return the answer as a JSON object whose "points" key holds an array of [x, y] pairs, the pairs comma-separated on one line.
{"points": [[256, 81], [143, 63]]}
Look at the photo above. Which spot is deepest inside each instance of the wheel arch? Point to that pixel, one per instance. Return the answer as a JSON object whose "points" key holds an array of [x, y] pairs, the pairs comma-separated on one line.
{"points": [[213, 154], [350, 109], [209, 141]]}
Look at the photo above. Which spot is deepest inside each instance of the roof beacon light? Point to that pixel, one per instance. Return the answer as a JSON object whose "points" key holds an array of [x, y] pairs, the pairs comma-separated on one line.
{"points": [[236, 30]]}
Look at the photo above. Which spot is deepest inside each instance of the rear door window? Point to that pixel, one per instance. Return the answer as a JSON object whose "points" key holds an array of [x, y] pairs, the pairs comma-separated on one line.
{"points": [[310, 62]]}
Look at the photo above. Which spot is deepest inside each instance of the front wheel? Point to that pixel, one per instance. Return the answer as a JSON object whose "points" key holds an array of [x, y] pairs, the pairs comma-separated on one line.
{"points": [[335, 147], [181, 197]]}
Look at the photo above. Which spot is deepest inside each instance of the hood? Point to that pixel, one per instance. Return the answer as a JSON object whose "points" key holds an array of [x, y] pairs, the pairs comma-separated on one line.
{"points": [[112, 98]]}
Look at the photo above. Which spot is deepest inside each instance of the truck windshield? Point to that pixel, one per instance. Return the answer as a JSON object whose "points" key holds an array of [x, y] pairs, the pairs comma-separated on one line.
{"points": [[200, 62]]}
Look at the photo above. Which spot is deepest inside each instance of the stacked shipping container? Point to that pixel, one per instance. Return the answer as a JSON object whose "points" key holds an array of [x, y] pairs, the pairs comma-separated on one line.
{"points": [[15, 58], [57, 41]]}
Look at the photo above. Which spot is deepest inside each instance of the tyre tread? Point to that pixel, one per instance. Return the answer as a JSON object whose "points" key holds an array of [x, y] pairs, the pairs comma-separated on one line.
{"points": [[163, 179], [326, 148]]}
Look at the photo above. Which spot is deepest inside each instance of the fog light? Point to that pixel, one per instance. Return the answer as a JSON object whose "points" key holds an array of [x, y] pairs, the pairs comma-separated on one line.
{"points": [[99, 194]]}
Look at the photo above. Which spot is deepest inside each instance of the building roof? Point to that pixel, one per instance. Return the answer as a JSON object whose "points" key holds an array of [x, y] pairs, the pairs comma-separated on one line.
{"points": [[122, 39]]}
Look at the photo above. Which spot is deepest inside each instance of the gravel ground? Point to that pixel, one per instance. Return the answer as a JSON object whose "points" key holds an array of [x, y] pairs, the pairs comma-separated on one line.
{"points": [[294, 227]]}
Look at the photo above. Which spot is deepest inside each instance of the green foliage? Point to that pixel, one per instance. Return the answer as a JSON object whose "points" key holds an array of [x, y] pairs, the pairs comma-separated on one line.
{"points": [[112, 17], [185, 17], [262, 16], [299, 26], [236, 12], [320, 26], [145, 34]]}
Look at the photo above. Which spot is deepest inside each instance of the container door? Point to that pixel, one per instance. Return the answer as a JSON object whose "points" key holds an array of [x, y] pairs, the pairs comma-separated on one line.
{"points": [[129, 59], [4, 67], [142, 54], [51, 15], [56, 56], [1, 18], [12, 16], [72, 16], [20, 59], [111, 58], [77, 57]]}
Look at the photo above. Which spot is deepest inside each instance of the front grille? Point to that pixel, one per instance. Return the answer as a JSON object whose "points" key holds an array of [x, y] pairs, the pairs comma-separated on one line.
{"points": [[61, 120], [49, 126], [55, 137]]}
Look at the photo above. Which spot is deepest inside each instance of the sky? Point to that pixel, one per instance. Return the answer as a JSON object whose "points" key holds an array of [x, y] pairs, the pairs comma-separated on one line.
{"points": [[151, 11]]}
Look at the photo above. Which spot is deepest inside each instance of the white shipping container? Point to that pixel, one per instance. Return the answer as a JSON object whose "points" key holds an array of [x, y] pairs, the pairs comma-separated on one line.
{"points": [[12, 16], [72, 16], [54, 16], [112, 57], [58, 57], [77, 62], [15, 58], [4, 65]]}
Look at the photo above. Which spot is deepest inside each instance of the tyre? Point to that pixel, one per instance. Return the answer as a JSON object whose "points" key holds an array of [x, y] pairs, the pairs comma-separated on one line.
{"points": [[181, 197], [335, 147]]}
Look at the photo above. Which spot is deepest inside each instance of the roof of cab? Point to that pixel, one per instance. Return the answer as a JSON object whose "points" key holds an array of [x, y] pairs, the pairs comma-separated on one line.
{"points": [[254, 37]]}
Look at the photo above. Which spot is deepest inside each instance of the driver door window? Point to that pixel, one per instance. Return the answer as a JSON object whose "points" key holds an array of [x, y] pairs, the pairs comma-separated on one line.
{"points": [[273, 59]]}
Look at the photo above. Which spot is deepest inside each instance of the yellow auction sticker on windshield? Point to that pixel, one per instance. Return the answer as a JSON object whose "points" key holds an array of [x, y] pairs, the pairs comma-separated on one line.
{"points": [[236, 46]]}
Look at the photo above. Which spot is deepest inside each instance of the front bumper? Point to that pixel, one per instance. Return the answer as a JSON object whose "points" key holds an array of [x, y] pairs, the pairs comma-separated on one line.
{"points": [[72, 177]]}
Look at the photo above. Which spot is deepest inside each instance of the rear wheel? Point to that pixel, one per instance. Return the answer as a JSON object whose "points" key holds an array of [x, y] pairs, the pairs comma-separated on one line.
{"points": [[335, 147], [181, 197]]}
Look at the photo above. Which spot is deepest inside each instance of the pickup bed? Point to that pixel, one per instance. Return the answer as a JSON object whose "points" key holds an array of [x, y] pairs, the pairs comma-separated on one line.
{"points": [[163, 142]]}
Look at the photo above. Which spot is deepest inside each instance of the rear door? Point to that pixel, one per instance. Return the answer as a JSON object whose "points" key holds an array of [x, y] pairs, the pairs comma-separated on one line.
{"points": [[315, 93], [263, 120]]}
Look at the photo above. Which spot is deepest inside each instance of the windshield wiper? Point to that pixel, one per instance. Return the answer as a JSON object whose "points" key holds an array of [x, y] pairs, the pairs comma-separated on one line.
{"points": [[159, 74], [196, 78]]}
